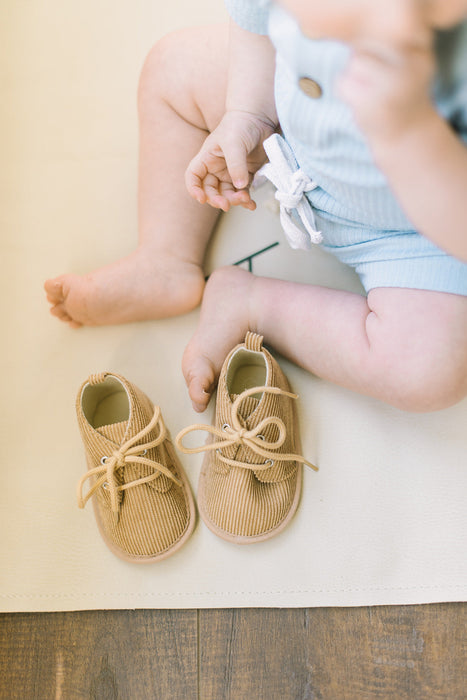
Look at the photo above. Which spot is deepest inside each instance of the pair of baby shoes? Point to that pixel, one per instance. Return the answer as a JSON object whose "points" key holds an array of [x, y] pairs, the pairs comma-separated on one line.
{"points": [[250, 482]]}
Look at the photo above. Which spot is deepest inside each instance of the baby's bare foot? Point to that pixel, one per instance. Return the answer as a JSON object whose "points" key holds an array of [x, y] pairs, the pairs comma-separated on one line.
{"points": [[225, 318], [137, 288], [66, 294]]}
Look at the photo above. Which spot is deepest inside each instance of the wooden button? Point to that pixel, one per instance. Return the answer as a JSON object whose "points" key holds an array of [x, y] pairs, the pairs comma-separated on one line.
{"points": [[310, 87]]}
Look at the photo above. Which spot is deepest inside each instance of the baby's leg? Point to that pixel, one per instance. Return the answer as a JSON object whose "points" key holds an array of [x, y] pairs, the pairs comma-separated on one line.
{"points": [[406, 347], [181, 99]]}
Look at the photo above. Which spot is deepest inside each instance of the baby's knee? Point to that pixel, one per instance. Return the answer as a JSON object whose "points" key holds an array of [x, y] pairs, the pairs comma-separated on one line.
{"points": [[160, 65], [427, 384], [186, 67], [418, 347], [186, 71]]}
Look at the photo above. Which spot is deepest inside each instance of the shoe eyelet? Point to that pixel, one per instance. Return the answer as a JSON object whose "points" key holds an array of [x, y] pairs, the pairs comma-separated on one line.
{"points": [[144, 453], [261, 437], [105, 485], [270, 462], [226, 426], [104, 459]]}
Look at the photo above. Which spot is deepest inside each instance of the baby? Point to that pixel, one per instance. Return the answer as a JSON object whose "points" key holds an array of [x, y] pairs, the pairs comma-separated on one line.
{"points": [[372, 103]]}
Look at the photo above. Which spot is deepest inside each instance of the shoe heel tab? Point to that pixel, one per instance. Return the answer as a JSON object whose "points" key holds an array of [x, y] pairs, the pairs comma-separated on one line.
{"points": [[98, 378], [253, 341]]}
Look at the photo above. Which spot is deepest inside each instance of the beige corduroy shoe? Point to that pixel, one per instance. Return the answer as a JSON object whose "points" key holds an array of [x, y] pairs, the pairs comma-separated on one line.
{"points": [[251, 478], [141, 496]]}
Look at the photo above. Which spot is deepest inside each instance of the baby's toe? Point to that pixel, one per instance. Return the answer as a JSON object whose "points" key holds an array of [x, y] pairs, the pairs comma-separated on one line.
{"points": [[59, 312], [199, 397], [200, 379], [54, 290]]}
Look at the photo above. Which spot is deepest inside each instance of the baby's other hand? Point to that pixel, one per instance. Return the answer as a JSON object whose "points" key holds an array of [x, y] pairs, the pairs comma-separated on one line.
{"points": [[221, 173], [388, 88]]}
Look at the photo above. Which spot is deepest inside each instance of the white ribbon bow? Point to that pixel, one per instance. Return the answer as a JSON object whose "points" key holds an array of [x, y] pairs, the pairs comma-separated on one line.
{"points": [[291, 183]]}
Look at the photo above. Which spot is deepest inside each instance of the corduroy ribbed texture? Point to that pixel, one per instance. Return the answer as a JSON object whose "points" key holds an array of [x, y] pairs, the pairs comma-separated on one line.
{"points": [[156, 517], [243, 504]]}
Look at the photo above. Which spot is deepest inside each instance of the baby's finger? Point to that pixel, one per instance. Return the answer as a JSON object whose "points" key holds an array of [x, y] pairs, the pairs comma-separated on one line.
{"points": [[212, 191], [236, 159], [250, 204], [194, 178], [237, 197]]}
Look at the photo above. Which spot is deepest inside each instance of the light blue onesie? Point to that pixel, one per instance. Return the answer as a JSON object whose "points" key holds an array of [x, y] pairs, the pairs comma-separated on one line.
{"points": [[359, 218]]}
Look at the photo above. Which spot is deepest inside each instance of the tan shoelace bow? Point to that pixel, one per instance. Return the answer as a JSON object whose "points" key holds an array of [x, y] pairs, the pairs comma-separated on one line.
{"points": [[128, 453], [236, 434]]}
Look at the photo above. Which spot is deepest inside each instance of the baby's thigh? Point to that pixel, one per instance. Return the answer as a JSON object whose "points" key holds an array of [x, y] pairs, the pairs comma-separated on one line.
{"points": [[422, 336], [188, 69]]}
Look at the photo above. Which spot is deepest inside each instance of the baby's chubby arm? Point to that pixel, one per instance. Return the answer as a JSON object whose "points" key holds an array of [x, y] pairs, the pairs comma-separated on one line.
{"points": [[220, 174], [424, 160]]}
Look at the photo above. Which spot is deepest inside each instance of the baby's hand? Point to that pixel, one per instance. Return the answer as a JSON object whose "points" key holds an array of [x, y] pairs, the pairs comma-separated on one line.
{"points": [[388, 88], [221, 173]]}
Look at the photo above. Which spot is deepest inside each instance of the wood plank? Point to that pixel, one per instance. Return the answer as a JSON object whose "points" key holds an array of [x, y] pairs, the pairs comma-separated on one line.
{"points": [[399, 652], [390, 652], [102, 655], [253, 654]]}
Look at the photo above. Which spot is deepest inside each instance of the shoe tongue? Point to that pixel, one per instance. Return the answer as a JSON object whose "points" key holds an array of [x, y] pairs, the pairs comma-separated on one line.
{"points": [[277, 472], [247, 406], [114, 431]]}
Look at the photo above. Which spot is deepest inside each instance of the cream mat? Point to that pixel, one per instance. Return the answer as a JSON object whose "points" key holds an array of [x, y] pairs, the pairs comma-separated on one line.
{"points": [[384, 520]]}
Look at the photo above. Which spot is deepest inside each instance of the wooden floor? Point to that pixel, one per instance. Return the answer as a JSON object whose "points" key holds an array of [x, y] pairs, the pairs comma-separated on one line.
{"points": [[412, 652]]}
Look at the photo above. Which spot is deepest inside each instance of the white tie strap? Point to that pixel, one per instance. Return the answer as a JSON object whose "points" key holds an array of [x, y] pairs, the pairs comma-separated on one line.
{"points": [[291, 183]]}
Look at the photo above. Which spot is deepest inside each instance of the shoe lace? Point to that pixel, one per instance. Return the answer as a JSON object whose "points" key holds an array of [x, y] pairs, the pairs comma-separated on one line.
{"points": [[128, 453], [236, 434]]}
